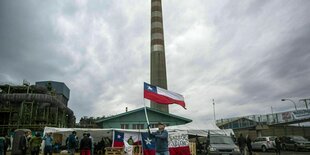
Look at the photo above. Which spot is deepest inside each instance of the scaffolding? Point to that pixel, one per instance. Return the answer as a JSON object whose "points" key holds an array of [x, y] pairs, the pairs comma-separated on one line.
{"points": [[32, 107]]}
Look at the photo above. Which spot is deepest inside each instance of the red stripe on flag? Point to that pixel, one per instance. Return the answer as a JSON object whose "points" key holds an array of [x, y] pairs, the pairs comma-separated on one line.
{"points": [[118, 144], [162, 99], [149, 152], [180, 150]]}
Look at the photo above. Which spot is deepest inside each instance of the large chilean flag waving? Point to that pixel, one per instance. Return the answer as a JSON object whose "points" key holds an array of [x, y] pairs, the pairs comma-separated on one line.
{"points": [[162, 96]]}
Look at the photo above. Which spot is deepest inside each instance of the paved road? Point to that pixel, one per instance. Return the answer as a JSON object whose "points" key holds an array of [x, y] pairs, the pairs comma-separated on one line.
{"points": [[273, 153], [282, 153]]}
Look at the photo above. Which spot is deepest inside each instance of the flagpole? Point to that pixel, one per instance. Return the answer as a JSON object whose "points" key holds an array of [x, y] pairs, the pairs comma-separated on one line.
{"points": [[145, 111], [113, 138]]}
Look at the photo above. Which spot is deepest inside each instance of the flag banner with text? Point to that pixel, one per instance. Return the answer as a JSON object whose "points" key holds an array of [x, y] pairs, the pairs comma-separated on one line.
{"points": [[177, 142]]}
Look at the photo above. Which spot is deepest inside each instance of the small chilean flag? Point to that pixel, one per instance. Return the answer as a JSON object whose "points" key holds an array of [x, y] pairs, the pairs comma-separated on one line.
{"points": [[162, 96], [118, 140]]}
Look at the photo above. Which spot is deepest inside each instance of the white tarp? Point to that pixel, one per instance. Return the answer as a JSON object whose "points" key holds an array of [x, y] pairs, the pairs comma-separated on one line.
{"points": [[193, 128]]}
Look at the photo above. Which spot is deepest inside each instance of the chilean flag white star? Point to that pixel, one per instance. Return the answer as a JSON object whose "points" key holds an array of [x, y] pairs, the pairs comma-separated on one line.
{"points": [[148, 141]]}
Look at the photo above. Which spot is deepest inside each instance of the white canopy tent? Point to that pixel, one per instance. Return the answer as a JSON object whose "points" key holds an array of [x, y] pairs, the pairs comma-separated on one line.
{"points": [[200, 129], [193, 128]]}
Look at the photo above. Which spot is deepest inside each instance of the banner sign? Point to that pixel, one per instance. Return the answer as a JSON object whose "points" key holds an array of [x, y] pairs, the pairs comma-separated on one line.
{"points": [[178, 143], [301, 114], [178, 139]]}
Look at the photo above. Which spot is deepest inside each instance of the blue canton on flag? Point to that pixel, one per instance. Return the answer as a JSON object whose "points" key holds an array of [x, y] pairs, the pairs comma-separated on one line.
{"points": [[148, 144], [118, 140], [150, 88], [119, 136]]}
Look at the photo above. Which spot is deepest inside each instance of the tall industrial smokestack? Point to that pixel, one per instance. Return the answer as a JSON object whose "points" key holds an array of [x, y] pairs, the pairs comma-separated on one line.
{"points": [[158, 61]]}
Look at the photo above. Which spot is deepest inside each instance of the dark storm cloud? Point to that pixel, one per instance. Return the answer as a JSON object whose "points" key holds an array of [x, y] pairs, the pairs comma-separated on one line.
{"points": [[27, 41], [245, 54], [256, 55], [285, 70]]}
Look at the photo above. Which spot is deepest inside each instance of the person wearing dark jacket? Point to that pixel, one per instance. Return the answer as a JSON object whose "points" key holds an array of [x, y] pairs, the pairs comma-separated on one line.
{"points": [[7, 144], [71, 143], [249, 144], [278, 145], [85, 145], [2, 145], [23, 143], [161, 140], [241, 143]]}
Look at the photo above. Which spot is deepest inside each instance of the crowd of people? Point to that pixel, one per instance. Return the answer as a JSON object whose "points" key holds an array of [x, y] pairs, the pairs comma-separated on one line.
{"points": [[245, 144], [29, 144]]}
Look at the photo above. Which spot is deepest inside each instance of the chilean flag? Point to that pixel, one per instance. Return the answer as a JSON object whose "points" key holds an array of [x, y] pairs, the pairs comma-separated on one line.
{"points": [[162, 96], [148, 144], [118, 139]]}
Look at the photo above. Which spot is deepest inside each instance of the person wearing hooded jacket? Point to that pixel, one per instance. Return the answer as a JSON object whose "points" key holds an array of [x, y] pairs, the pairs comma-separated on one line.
{"points": [[161, 140]]}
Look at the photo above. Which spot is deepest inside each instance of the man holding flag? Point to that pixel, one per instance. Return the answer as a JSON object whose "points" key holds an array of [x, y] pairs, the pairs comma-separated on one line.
{"points": [[161, 140], [160, 96]]}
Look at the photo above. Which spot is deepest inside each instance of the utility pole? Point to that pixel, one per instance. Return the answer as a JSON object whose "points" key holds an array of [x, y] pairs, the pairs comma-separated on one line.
{"points": [[214, 110], [273, 120]]}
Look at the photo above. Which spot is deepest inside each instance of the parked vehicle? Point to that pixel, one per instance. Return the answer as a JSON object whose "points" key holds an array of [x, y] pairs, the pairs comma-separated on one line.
{"points": [[221, 145], [264, 143], [295, 143]]}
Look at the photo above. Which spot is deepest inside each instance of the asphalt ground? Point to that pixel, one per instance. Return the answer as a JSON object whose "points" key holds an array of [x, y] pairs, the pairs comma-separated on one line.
{"points": [[282, 153], [273, 153]]}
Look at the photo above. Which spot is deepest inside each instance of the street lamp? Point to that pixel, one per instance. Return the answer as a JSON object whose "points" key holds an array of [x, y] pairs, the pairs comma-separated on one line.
{"points": [[305, 100], [291, 101]]}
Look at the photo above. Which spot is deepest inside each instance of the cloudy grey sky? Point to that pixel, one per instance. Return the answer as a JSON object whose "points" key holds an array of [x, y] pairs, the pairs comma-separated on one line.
{"points": [[245, 54]]}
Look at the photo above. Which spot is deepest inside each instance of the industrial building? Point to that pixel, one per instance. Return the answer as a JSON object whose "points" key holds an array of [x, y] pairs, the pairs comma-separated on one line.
{"points": [[34, 106], [275, 124], [135, 119]]}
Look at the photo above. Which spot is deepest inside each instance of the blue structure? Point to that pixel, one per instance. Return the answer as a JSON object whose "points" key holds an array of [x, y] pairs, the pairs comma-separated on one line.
{"points": [[60, 89]]}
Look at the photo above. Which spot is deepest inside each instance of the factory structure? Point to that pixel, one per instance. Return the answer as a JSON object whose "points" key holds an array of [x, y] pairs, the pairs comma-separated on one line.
{"points": [[158, 60], [34, 106]]}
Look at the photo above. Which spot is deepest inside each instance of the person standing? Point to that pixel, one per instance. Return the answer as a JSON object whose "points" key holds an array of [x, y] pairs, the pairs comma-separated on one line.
{"points": [[198, 144], [278, 146], [161, 140], [23, 143], [92, 142], [2, 145], [249, 144], [48, 144], [35, 144], [71, 143], [241, 143], [85, 145], [7, 144]]}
